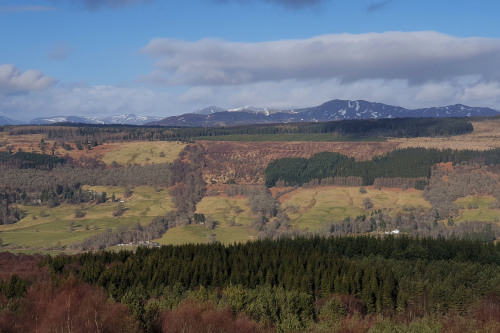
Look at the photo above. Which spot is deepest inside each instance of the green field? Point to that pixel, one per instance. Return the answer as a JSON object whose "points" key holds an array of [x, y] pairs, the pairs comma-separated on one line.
{"points": [[232, 219], [311, 208], [144, 152], [477, 208], [53, 229], [45, 228], [308, 208]]}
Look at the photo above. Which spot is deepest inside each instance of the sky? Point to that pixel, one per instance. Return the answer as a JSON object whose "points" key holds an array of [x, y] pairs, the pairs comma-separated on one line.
{"points": [[164, 58]]}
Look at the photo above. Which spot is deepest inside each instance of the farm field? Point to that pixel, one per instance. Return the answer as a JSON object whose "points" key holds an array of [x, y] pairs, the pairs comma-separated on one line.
{"points": [[232, 223], [477, 208], [144, 152], [46, 228], [311, 208], [308, 209]]}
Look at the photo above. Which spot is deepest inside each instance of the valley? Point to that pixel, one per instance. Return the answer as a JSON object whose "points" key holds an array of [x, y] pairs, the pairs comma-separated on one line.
{"points": [[225, 164]]}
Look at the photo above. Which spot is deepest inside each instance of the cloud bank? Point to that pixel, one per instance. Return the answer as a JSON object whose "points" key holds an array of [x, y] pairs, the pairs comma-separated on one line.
{"points": [[83, 99], [12, 80], [412, 70], [88, 100], [416, 57]]}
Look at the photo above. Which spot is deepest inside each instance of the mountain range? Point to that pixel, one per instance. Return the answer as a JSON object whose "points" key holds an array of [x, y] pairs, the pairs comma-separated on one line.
{"points": [[331, 110], [125, 119], [217, 116]]}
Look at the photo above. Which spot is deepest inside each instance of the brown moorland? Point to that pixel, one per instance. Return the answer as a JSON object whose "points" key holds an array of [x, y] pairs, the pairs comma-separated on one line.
{"points": [[31, 143], [486, 135], [245, 162]]}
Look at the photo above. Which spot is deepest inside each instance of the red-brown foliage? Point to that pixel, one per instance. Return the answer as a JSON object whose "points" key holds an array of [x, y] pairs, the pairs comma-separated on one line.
{"points": [[24, 265], [73, 307], [353, 305], [488, 310], [457, 324], [355, 324], [194, 317], [245, 162]]}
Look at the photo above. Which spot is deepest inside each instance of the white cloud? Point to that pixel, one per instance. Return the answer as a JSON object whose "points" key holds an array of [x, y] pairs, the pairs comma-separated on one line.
{"points": [[416, 57], [197, 94], [13, 80], [87, 100], [411, 70]]}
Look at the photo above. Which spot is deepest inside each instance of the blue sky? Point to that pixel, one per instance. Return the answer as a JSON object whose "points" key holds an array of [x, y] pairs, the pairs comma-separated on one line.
{"points": [[153, 57]]}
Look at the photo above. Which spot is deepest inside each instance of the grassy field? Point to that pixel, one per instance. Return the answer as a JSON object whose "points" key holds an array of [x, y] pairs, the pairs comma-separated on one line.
{"points": [[184, 235], [44, 228], [311, 208], [52, 229], [477, 208], [144, 152], [308, 208], [232, 219]]}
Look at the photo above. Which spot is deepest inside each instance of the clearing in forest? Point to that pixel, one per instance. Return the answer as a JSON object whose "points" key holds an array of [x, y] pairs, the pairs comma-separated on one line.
{"points": [[313, 207], [477, 208], [129, 153], [231, 218]]}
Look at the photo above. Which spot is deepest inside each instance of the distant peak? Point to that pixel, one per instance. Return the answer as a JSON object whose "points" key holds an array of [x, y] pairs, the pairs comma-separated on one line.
{"points": [[210, 110]]}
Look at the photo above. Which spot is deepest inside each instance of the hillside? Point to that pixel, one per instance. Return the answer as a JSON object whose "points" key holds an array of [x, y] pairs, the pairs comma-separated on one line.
{"points": [[176, 185]]}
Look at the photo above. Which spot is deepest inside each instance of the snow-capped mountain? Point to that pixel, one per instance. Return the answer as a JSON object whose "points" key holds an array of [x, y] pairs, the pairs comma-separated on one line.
{"points": [[210, 110], [126, 119], [217, 116], [59, 119], [254, 109], [331, 110]]}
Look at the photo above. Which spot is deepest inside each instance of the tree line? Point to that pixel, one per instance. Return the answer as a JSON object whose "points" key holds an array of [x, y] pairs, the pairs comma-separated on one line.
{"points": [[359, 128], [277, 282], [89, 134], [402, 163], [25, 160]]}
